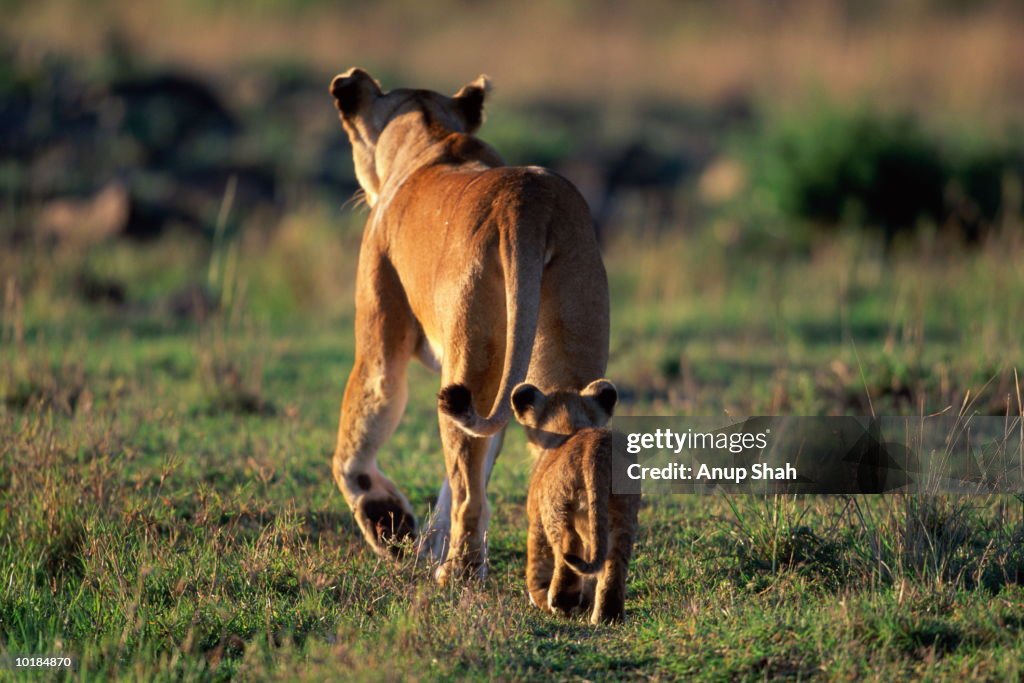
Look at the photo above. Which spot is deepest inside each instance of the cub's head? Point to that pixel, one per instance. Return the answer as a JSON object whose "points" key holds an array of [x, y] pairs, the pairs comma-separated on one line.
{"points": [[552, 418], [379, 124]]}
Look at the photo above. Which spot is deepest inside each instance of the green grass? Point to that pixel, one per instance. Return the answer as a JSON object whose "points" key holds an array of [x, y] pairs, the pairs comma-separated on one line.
{"points": [[167, 510]]}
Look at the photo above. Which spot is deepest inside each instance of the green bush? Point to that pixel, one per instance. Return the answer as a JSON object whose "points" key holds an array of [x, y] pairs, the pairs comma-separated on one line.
{"points": [[856, 166]]}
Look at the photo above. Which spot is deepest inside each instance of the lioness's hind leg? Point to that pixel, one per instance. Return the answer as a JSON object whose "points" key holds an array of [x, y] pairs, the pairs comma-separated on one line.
{"points": [[436, 536], [433, 543], [372, 407], [576, 305], [374, 401], [468, 461]]}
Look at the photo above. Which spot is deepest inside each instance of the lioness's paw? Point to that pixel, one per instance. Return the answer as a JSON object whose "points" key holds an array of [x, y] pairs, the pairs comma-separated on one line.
{"points": [[382, 512], [387, 523]]}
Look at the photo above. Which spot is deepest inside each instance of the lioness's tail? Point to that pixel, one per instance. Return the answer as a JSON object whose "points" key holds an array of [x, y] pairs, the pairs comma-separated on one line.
{"points": [[597, 513], [523, 264]]}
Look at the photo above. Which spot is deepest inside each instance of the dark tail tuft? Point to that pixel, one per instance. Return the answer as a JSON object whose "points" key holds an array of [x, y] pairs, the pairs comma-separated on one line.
{"points": [[455, 400], [581, 567]]}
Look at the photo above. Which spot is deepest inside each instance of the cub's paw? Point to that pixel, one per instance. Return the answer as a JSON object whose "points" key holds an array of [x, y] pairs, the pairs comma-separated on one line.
{"points": [[539, 599], [568, 603], [608, 613]]}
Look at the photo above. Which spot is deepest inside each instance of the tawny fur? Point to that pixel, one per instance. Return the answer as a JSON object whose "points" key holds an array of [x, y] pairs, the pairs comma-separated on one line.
{"points": [[551, 418], [489, 273]]}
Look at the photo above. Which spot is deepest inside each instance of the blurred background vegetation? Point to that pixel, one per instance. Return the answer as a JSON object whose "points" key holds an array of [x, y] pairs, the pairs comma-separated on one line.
{"points": [[166, 167], [162, 163]]}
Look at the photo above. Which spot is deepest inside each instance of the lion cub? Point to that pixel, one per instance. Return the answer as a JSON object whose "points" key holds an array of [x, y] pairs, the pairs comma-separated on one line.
{"points": [[573, 512]]}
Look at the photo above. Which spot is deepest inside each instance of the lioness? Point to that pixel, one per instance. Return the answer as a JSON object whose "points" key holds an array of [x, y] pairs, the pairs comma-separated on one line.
{"points": [[572, 510], [490, 274]]}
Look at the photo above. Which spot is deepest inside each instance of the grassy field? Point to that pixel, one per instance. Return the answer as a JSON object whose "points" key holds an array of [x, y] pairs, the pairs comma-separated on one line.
{"points": [[166, 506]]}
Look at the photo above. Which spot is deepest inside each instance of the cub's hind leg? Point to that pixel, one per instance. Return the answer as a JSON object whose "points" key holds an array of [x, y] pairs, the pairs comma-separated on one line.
{"points": [[565, 595], [610, 594], [540, 564]]}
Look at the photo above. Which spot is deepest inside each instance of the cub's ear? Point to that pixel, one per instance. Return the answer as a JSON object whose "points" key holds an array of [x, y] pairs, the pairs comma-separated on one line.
{"points": [[602, 394], [353, 90], [527, 403], [470, 101]]}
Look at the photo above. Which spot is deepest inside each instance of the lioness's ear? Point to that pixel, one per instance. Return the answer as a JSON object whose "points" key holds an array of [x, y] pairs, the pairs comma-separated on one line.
{"points": [[470, 101], [353, 90], [602, 394], [527, 402]]}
